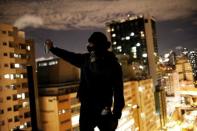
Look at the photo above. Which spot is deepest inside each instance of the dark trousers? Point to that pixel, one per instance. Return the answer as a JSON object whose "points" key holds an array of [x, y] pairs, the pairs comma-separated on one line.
{"points": [[90, 118]]}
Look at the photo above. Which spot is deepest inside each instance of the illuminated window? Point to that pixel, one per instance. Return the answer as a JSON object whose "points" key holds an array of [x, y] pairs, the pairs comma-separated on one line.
{"points": [[138, 44], [127, 37], [134, 49], [18, 96], [134, 55], [142, 33], [28, 48], [6, 76], [17, 65], [144, 55], [25, 104], [141, 88], [119, 48], [23, 95], [22, 126], [52, 62], [43, 64], [113, 35], [132, 34]]}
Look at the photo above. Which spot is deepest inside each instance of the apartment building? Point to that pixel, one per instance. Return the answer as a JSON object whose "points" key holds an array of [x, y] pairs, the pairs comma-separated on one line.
{"points": [[16, 54]]}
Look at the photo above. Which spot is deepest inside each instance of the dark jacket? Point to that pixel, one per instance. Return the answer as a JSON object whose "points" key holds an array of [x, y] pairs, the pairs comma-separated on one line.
{"points": [[100, 80]]}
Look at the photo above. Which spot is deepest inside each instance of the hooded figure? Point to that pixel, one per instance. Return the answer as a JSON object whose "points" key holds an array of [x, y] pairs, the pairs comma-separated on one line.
{"points": [[101, 84]]}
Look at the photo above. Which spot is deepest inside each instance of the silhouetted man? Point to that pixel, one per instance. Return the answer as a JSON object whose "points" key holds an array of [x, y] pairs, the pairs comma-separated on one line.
{"points": [[100, 83]]}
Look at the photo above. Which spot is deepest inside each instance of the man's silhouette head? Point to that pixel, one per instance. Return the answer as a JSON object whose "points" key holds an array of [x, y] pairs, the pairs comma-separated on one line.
{"points": [[98, 42]]}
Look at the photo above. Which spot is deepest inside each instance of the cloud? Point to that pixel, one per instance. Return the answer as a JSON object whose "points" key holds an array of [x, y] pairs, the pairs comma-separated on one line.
{"points": [[178, 30], [28, 21], [69, 14]]}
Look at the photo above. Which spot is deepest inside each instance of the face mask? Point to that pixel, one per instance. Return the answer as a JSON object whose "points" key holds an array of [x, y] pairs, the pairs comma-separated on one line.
{"points": [[90, 48]]}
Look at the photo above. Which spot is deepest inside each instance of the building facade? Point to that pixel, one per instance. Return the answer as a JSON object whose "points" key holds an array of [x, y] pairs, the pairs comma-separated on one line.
{"points": [[184, 69], [135, 37], [192, 55], [16, 54]]}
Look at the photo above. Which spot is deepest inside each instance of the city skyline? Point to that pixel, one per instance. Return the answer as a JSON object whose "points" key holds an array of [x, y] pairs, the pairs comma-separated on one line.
{"points": [[70, 23]]}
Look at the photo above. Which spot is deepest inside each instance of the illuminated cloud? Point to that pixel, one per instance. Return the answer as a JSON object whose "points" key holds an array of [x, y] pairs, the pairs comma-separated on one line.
{"points": [[69, 14], [28, 21]]}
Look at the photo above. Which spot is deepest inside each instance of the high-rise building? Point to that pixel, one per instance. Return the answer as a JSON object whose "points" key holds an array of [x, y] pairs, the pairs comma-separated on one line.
{"points": [[136, 38], [16, 57], [193, 61], [142, 103], [184, 69], [59, 107]]}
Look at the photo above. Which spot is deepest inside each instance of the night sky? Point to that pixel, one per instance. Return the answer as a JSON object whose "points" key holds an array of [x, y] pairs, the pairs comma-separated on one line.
{"points": [[69, 23]]}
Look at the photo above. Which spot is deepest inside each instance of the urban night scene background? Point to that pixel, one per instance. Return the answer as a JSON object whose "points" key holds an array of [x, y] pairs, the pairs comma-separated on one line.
{"points": [[154, 41]]}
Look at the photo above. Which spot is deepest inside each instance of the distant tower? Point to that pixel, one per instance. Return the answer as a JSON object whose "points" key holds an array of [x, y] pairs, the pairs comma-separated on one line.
{"points": [[136, 38], [15, 55], [193, 61]]}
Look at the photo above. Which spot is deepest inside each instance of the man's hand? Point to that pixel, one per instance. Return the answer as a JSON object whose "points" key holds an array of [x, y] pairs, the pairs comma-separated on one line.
{"points": [[49, 43]]}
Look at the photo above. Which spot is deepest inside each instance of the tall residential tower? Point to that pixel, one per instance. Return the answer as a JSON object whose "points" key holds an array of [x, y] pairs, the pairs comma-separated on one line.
{"points": [[16, 54], [135, 37]]}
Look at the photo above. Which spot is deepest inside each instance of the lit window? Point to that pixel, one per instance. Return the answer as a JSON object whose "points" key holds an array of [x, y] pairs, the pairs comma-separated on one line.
{"points": [[17, 75], [128, 38], [52, 62], [11, 76], [22, 126], [138, 44], [25, 104], [113, 35], [19, 96], [43, 64], [16, 55], [144, 55], [142, 33], [141, 67], [23, 95], [119, 48], [17, 65], [134, 55], [132, 34], [114, 43], [134, 49], [6, 76], [28, 48]]}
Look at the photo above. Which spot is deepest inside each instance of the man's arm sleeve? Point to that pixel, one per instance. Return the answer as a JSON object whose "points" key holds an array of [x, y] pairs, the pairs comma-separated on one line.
{"points": [[73, 58], [119, 102]]}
